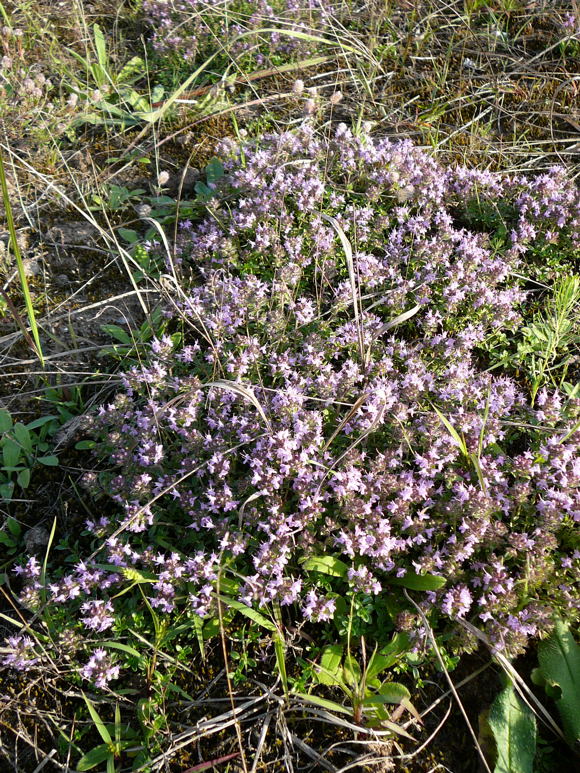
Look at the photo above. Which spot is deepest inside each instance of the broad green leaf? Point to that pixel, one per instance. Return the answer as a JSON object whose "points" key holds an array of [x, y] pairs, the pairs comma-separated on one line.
{"points": [[330, 664], [415, 581], [14, 527], [326, 565], [10, 452], [100, 45], [389, 692], [98, 722], [85, 445], [22, 435], [93, 758], [243, 609], [129, 236], [559, 658], [514, 728], [211, 628], [134, 67]]}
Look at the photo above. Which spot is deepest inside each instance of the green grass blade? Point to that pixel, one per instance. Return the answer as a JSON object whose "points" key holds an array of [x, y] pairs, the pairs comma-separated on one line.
{"points": [[19, 262]]}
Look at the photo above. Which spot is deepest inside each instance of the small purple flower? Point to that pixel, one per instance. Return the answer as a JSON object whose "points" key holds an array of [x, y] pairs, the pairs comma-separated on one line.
{"points": [[100, 669]]}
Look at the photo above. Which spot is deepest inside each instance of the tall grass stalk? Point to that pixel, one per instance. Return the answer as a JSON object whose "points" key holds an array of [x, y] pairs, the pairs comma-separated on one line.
{"points": [[19, 262]]}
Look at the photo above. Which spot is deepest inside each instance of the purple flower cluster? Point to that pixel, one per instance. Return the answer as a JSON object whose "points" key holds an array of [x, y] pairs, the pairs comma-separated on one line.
{"points": [[329, 396], [189, 28], [100, 668]]}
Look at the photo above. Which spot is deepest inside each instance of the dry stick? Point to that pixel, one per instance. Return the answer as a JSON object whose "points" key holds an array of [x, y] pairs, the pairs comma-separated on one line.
{"points": [[449, 680]]}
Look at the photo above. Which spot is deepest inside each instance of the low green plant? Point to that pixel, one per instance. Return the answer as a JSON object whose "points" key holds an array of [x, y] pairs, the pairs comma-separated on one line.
{"points": [[113, 744], [22, 447], [364, 684]]}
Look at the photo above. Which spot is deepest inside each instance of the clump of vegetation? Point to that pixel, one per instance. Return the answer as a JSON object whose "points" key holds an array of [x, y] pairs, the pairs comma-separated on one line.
{"points": [[336, 452]]}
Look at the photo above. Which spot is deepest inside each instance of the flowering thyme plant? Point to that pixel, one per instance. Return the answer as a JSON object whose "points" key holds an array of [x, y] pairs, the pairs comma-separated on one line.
{"points": [[196, 28], [328, 396]]}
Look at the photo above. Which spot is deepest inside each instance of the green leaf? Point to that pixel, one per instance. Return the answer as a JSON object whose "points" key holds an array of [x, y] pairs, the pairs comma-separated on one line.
{"points": [[48, 461], [10, 452], [214, 171], [5, 421], [94, 757], [514, 728], [23, 478], [40, 422], [85, 445], [351, 671], [22, 435], [389, 692], [252, 614], [326, 565], [98, 722], [14, 527], [100, 45], [128, 650], [415, 581], [330, 664], [559, 659], [459, 441], [6, 539], [128, 235], [323, 703]]}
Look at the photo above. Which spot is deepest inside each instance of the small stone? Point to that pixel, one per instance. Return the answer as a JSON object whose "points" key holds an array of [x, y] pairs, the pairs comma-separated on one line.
{"points": [[36, 539], [32, 266], [61, 280]]}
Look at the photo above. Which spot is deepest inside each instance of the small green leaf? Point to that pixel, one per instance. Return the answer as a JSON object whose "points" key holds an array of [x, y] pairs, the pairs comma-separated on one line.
{"points": [[85, 445], [326, 565], [5, 421], [14, 527], [415, 581], [389, 692], [93, 758], [252, 614], [128, 235], [48, 461], [6, 539], [514, 728], [117, 332], [23, 478]]}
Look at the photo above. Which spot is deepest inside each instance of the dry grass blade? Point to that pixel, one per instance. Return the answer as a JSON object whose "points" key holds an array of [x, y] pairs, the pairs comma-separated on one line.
{"points": [[242, 391], [449, 681], [356, 301]]}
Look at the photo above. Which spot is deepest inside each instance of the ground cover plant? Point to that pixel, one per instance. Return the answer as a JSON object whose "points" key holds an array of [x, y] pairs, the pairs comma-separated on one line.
{"points": [[302, 490]]}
